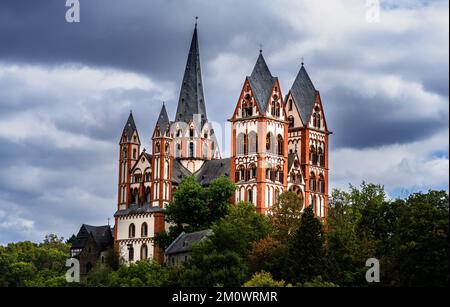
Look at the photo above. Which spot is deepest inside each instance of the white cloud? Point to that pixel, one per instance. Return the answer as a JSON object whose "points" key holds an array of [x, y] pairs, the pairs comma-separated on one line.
{"points": [[411, 166]]}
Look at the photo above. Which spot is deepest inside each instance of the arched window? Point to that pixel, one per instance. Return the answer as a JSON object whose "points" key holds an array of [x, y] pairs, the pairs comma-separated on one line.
{"points": [[252, 142], [241, 173], [130, 253], [290, 104], [124, 153], [131, 231], [314, 120], [144, 252], [268, 142], [312, 155], [178, 133], [144, 230], [134, 153], [245, 144], [312, 182], [147, 195], [205, 150], [321, 184], [191, 150], [291, 121], [318, 121], [280, 145], [191, 132], [135, 196], [272, 108], [167, 148], [252, 171], [157, 147], [177, 150], [320, 157], [240, 144], [277, 110], [250, 195]]}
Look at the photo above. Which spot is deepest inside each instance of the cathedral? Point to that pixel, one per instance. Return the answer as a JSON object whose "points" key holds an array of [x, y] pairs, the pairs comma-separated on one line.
{"points": [[278, 144]]}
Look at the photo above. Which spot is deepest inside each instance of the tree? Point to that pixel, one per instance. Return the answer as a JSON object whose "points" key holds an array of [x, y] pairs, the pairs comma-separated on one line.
{"points": [[219, 193], [285, 215], [421, 241], [219, 259], [264, 279], [208, 268], [189, 206], [195, 207], [268, 255], [239, 228], [306, 249]]}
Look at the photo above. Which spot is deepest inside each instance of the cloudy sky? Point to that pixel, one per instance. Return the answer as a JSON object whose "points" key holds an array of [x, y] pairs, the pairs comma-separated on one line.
{"points": [[66, 90]]}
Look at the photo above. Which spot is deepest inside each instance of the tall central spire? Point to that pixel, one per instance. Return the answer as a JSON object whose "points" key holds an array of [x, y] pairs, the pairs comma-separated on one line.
{"points": [[191, 99]]}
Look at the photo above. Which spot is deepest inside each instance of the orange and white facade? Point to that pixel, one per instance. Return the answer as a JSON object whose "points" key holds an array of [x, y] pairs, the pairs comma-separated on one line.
{"points": [[278, 144]]}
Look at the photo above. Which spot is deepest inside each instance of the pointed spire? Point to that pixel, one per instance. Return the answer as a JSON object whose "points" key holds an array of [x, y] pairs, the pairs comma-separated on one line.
{"points": [[163, 119], [261, 82], [304, 93], [192, 100], [129, 127]]}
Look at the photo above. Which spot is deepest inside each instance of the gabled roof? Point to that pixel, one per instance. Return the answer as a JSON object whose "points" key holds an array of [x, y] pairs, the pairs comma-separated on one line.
{"points": [[262, 82], [184, 241], [212, 169], [192, 100], [304, 94], [179, 171], [101, 234], [129, 128], [163, 120]]}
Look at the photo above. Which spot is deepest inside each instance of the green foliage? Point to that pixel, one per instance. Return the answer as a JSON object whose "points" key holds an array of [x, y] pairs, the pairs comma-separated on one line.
{"points": [[285, 215], [220, 258], [139, 274], [409, 237], [195, 207], [269, 255], [30, 264], [306, 249], [208, 268], [264, 279], [239, 228], [317, 282]]}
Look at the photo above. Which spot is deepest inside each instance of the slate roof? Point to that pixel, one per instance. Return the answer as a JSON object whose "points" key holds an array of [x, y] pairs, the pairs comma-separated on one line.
{"points": [[192, 100], [179, 171], [184, 241], [148, 156], [130, 127], [212, 169], [304, 94], [134, 209], [291, 159], [261, 82], [102, 236], [163, 120]]}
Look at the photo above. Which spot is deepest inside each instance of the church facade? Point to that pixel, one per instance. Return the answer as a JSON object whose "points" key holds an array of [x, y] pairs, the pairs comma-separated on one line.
{"points": [[278, 144]]}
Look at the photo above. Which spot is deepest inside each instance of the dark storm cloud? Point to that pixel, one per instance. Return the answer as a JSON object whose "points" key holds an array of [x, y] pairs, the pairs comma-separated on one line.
{"points": [[145, 36]]}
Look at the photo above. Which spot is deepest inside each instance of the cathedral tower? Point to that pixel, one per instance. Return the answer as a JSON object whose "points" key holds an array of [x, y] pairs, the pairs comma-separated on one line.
{"points": [[259, 133], [194, 140], [130, 146], [308, 138]]}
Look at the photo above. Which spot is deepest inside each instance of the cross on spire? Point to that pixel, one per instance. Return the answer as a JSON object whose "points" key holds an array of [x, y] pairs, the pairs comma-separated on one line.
{"points": [[196, 21], [303, 61], [260, 48]]}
